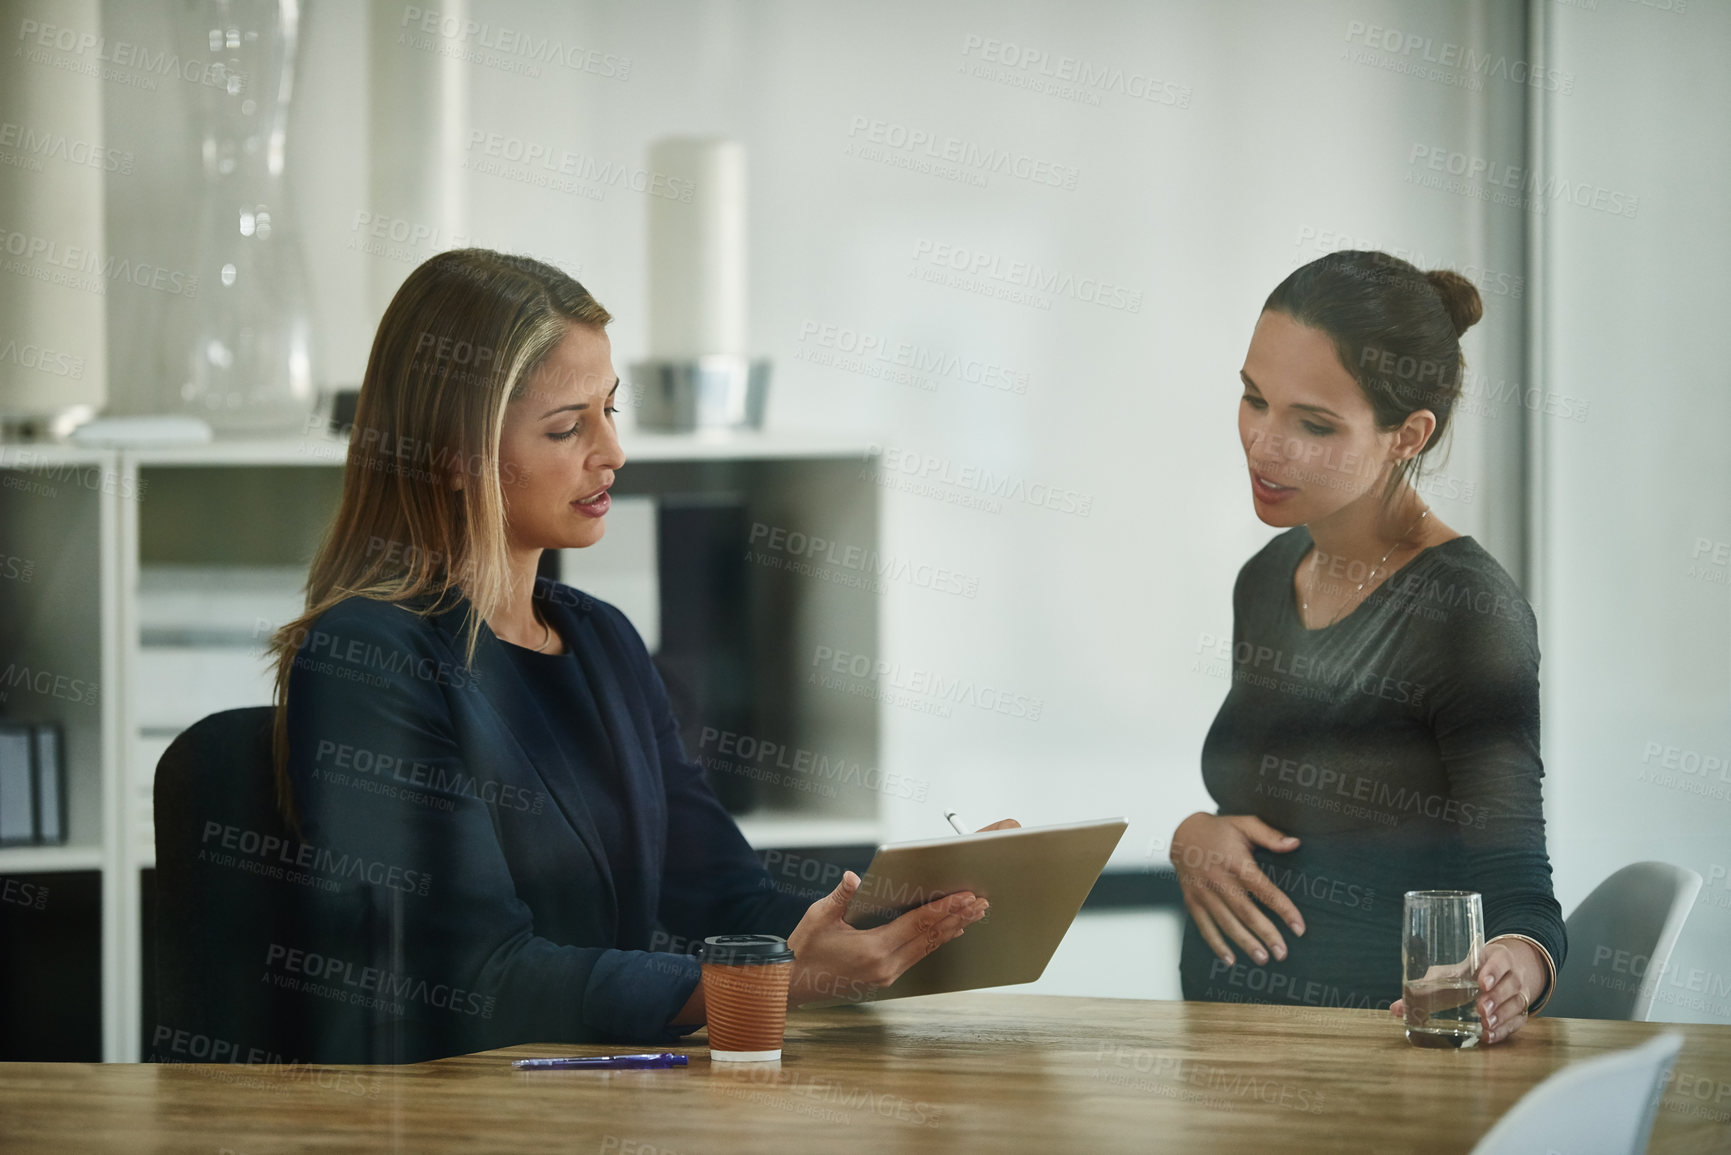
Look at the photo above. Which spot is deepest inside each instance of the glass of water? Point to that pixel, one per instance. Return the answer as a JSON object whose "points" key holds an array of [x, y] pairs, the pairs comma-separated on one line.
{"points": [[1443, 941]]}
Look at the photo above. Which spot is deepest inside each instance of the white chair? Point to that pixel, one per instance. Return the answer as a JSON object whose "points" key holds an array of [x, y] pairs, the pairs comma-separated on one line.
{"points": [[1620, 942], [1601, 1106]]}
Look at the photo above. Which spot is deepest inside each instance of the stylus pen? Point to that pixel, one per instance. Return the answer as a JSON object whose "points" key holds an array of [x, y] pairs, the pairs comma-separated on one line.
{"points": [[956, 822], [603, 1062]]}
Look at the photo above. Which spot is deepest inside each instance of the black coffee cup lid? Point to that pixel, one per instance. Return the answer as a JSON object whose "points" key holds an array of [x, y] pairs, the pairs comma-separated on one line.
{"points": [[744, 950]]}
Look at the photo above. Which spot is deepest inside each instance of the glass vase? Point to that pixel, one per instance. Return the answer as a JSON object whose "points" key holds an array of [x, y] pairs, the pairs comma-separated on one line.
{"points": [[250, 368]]}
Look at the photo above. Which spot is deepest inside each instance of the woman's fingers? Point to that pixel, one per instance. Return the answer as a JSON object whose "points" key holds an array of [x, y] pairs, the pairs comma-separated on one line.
{"points": [[1238, 917], [826, 947], [1245, 922], [933, 935], [1271, 896], [835, 902], [924, 930], [1258, 924], [1263, 834], [1243, 868], [1508, 1012], [1227, 920], [1210, 933], [1495, 972], [921, 921], [1501, 1003], [1507, 1024], [1000, 824], [1251, 876], [1223, 884], [1398, 1008]]}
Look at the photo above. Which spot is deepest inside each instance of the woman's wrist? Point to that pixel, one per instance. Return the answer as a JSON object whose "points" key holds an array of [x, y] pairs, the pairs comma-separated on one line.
{"points": [[694, 1013]]}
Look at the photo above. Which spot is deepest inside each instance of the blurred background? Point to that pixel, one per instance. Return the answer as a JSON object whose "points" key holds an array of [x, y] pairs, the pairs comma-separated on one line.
{"points": [[1005, 260]]}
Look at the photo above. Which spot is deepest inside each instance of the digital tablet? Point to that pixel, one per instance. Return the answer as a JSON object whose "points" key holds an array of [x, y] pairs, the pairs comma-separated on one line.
{"points": [[1035, 878]]}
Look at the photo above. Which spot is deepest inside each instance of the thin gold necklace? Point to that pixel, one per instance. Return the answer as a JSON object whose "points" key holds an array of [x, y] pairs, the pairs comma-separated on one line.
{"points": [[1304, 601], [546, 635]]}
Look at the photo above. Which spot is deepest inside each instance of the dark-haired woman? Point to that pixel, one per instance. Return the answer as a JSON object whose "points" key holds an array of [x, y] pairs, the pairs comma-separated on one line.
{"points": [[1381, 733], [513, 845]]}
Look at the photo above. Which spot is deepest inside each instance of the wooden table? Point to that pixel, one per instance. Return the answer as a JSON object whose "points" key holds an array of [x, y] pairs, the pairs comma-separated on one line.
{"points": [[974, 1072]]}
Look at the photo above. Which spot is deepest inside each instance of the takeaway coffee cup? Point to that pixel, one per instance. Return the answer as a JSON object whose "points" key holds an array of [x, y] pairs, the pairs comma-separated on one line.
{"points": [[745, 979]]}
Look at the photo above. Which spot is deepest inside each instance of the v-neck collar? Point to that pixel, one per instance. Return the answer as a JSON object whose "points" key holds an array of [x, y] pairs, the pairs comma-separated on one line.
{"points": [[1296, 611]]}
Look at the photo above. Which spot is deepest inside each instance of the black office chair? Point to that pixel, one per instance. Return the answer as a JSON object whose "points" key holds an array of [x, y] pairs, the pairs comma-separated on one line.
{"points": [[220, 910]]}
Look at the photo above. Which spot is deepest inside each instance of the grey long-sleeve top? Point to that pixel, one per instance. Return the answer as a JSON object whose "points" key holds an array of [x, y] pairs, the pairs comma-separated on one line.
{"points": [[1401, 746]]}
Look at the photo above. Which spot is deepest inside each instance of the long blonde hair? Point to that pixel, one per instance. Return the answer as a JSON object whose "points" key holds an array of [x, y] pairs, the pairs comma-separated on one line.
{"points": [[458, 341]]}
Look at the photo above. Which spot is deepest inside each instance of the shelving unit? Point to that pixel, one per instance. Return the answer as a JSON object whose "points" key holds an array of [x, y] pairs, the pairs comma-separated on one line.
{"points": [[149, 562], [59, 507], [49, 859]]}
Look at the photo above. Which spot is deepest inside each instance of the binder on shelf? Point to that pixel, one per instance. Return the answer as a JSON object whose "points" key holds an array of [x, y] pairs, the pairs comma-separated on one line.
{"points": [[50, 785], [17, 788], [32, 785]]}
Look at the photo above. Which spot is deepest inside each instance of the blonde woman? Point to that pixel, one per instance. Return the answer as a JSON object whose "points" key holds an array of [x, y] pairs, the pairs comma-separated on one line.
{"points": [[491, 759]]}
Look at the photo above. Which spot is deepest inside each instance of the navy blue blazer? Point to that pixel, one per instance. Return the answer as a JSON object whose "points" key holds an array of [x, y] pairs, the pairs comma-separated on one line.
{"points": [[458, 897]]}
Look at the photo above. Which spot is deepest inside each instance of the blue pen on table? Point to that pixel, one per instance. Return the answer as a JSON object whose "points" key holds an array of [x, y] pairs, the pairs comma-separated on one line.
{"points": [[603, 1062]]}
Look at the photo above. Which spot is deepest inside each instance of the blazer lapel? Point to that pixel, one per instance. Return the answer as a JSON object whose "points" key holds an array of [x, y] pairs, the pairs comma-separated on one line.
{"points": [[505, 691], [645, 803]]}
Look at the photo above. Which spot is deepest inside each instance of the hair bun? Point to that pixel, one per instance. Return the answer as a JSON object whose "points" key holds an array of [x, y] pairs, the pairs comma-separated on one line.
{"points": [[1459, 297]]}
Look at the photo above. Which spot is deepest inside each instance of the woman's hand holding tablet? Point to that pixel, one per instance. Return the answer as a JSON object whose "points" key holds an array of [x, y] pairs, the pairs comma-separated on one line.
{"points": [[833, 960]]}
